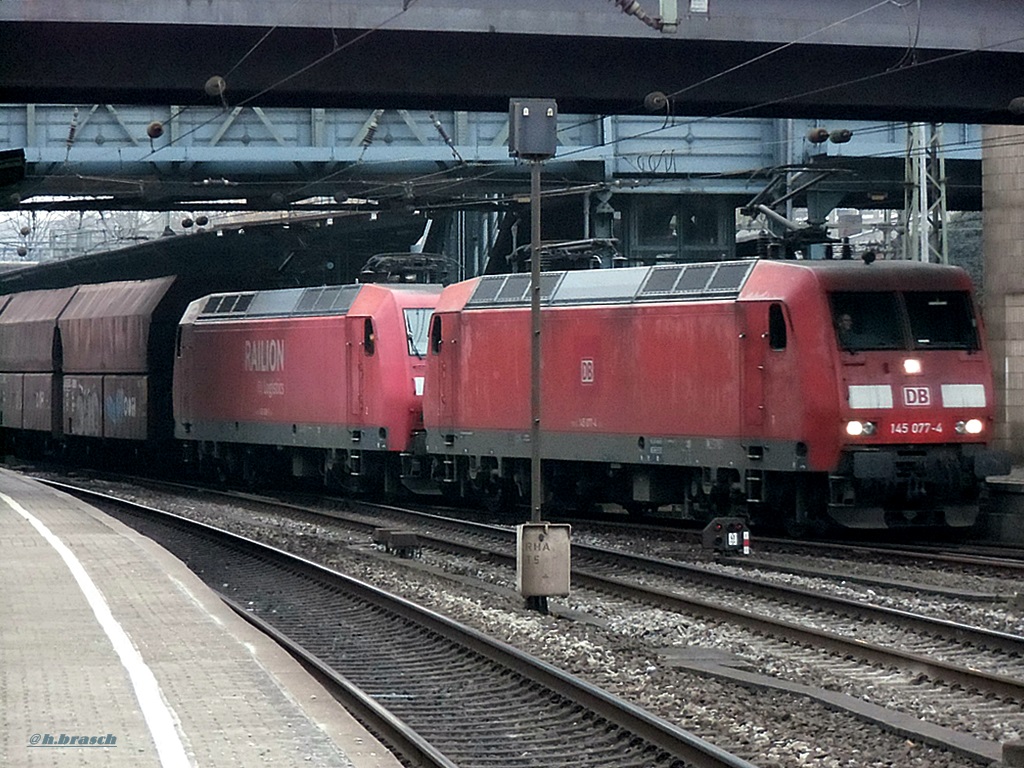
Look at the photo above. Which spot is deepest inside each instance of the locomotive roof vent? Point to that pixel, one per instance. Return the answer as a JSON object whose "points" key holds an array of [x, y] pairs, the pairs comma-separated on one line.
{"points": [[714, 280], [289, 302]]}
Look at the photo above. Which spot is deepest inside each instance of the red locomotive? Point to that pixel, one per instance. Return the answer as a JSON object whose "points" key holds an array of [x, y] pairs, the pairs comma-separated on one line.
{"points": [[799, 391], [318, 381], [702, 385]]}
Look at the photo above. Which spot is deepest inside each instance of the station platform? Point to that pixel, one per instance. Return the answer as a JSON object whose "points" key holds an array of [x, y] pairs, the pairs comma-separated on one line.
{"points": [[113, 653], [1004, 508]]}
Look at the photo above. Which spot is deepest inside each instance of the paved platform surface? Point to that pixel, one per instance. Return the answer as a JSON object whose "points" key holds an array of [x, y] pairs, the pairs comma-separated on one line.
{"points": [[106, 638]]}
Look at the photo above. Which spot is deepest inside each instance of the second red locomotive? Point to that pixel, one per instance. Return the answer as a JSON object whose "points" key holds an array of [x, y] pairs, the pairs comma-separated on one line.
{"points": [[323, 382]]}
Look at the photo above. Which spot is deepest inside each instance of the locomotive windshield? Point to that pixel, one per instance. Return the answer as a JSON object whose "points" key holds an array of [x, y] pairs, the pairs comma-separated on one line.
{"points": [[417, 321], [941, 320], [866, 320]]}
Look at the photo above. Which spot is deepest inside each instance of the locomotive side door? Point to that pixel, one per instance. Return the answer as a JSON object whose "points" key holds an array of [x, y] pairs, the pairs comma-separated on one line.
{"points": [[441, 327], [765, 364], [354, 369], [753, 351]]}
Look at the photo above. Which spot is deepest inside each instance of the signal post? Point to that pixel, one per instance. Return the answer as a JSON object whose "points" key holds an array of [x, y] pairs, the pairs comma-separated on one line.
{"points": [[542, 549]]}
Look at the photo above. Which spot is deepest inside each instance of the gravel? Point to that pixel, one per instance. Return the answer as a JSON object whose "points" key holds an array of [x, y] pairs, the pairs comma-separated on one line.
{"points": [[628, 649]]}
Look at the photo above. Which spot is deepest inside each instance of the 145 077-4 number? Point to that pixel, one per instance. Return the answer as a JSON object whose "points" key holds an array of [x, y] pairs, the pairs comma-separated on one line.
{"points": [[914, 427]]}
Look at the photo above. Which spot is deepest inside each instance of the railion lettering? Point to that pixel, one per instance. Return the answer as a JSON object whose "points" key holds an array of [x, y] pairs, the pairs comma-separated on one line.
{"points": [[264, 355]]}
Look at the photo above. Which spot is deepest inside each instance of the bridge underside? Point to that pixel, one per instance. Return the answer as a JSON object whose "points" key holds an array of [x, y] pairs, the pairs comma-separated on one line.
{"points": [[60, 62], [863, 183]]}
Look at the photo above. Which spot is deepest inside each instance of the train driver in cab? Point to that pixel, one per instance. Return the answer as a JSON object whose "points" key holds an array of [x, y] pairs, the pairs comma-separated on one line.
{"points": [[849, 337]]}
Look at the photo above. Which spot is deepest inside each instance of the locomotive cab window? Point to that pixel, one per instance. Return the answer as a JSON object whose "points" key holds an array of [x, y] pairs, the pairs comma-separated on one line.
{"points": [[776, 327], [865, 320], [369, 339], [417, 323], [941, 320], [435, 335]]}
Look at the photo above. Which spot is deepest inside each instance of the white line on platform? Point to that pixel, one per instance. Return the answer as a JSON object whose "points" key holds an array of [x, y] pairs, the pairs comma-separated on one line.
{"points": [[154, 708]]}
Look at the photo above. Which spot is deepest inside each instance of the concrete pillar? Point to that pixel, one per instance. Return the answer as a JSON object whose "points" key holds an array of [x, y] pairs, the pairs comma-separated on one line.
{"points": [[1003, 247]]}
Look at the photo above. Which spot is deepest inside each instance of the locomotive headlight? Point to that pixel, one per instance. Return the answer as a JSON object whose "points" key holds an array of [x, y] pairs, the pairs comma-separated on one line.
{"points": [[911, 365], [858, 428], [969, 427]]}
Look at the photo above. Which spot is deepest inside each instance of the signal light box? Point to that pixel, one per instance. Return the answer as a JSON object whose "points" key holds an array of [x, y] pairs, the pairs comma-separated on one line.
{"points": [[727, 535], [542, 559], [532, 128]]}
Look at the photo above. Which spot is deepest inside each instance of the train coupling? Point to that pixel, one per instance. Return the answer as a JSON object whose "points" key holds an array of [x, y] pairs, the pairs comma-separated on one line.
{"points": [[727, 536]]}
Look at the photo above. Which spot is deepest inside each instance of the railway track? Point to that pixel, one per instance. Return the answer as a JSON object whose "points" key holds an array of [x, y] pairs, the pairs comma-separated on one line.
{"points": [[917, 674], [984, 559], [957, 654], [446, 694]]}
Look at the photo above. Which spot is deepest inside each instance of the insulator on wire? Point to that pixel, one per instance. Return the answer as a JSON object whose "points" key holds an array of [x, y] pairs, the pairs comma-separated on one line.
{"points": [[215, 86], [633, 8], [444, 136], [371, 129], [72, 129], [628, 6], [817, 135], [655, 101]]}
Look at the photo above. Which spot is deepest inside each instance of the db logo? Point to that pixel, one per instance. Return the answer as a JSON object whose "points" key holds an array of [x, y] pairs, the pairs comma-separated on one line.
{"points": [[587, 371], [916, 396]]}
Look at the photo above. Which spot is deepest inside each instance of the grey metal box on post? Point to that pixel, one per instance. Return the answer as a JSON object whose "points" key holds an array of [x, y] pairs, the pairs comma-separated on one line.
{"points": [[543, 556], [532, 128]]}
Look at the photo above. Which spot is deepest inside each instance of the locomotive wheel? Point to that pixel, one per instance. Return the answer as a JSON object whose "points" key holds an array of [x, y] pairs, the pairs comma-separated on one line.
{"points": [[793, 527], [451, 493], [500, 496], [251, 475]]}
